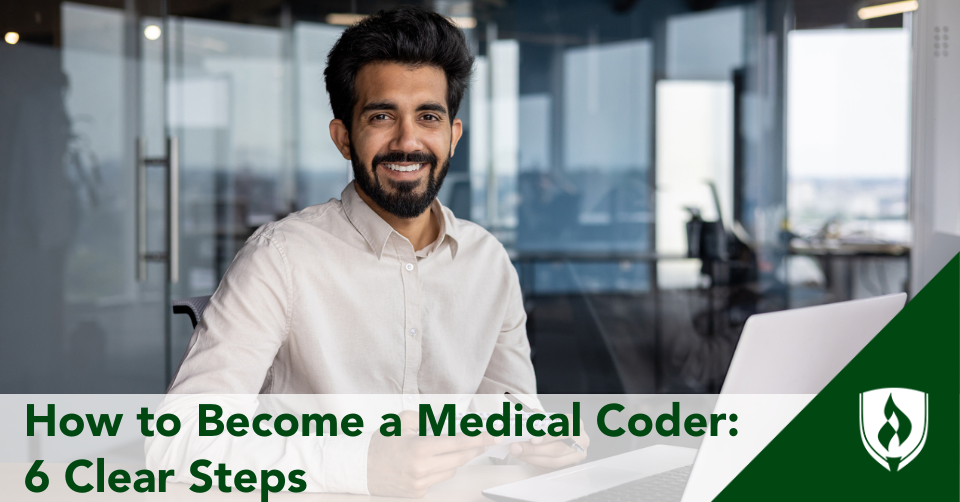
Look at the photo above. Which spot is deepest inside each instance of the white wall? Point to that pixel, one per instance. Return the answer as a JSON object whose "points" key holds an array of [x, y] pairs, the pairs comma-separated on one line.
{"points": [[935, 170]]}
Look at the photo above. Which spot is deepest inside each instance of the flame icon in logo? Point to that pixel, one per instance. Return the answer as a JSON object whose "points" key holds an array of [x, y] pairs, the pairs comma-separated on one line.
{"points": [[900, 429], [888, 419]]}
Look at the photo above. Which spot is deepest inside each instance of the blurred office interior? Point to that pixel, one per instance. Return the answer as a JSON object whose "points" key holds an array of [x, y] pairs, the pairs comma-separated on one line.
{"points": [[659, 170]]}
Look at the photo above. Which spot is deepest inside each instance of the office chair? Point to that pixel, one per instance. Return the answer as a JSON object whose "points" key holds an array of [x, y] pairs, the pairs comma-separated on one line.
{"points": [[193, 307]]}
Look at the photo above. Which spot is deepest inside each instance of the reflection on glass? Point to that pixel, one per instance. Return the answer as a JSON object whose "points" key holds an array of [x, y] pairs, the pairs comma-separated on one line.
{"points": [[75, 318], [588, 132], [596, 198]]}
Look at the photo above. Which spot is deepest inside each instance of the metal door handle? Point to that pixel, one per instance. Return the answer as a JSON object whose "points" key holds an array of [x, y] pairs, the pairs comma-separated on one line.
{"points": [[172, 163], [140, 201], [173, 209]]}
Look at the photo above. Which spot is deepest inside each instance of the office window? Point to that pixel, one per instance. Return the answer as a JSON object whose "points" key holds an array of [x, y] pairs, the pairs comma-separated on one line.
{"points": [[694, 168], [848, 132], [848, 158]]}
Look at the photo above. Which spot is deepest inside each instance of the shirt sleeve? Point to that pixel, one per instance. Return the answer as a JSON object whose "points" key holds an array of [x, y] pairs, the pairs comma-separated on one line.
{"points": [[510, 368], [229, 355], [242, 327]]}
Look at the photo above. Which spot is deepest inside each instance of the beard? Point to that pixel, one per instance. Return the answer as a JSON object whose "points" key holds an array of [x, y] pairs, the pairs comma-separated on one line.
{"points": [[403, 201]]}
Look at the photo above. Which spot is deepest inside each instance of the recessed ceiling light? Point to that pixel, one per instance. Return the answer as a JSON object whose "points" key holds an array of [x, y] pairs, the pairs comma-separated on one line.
{"points": [[344, 19], [888, 9], [152, 32]]}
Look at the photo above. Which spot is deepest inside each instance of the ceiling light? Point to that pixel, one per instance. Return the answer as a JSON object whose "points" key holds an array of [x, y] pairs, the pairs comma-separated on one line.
{"points": [[464, 22], [888, 9], [152, 32], [344, 19], [11, 37]]}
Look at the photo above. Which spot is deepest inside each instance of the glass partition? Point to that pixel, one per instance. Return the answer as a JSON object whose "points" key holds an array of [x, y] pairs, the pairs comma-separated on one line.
{"points": [[630, 156], [76, 315]]}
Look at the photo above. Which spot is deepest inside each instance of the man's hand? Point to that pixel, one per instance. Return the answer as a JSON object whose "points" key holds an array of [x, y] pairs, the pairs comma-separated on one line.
{"points": [[408, 465], [551, 452]]}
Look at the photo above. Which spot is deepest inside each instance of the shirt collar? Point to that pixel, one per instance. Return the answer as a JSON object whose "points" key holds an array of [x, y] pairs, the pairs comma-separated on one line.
{"points": [[376, 231], [448, 227]]}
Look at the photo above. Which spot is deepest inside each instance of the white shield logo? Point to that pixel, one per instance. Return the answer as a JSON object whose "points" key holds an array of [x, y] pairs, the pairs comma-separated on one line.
{"points": [[893, 425]]}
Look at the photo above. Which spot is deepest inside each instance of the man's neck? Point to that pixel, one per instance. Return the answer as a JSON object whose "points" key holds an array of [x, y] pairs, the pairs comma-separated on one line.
{"points": [[420, 231]]}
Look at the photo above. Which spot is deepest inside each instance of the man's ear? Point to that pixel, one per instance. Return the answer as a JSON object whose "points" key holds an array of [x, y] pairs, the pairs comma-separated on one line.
{"points": [[341, 137], [457, 130]]}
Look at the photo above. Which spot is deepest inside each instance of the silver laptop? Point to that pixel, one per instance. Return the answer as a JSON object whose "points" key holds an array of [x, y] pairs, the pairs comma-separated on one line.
{"points": [[794, 351]]}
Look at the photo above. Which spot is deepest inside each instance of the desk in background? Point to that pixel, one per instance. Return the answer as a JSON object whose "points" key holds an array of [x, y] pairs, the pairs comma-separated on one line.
{"points": [[839, 260]]}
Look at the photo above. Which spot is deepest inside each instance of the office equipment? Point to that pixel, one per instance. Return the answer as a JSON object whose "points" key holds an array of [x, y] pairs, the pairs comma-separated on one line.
{"points": [[790, 357], [789, 352], [799, 351]]}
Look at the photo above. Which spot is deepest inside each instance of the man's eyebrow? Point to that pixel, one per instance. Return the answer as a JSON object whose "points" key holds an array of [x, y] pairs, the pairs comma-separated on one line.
{"points": [[379, 105], [432, 107]]}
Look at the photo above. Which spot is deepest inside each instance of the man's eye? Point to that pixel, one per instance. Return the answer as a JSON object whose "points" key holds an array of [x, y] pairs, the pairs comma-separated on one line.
{"points": [[381, 116], [431, 116]]}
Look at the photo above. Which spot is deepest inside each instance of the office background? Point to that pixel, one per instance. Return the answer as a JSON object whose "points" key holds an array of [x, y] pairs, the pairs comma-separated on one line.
{"points": [[659, 170]]}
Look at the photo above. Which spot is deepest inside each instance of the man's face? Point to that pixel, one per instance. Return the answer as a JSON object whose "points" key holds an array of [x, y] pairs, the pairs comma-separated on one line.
{"points": [[402, 136]]}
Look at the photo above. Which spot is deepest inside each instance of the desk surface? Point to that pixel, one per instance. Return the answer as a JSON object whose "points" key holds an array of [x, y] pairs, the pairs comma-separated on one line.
{"points": [[465, 486], [849, 249]]}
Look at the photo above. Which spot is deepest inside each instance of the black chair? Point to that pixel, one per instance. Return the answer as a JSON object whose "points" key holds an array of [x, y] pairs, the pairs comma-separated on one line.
{"points": [[192, 307]]}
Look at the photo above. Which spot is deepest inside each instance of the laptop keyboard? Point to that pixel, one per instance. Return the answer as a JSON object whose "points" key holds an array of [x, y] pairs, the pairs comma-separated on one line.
{"points": [[664, 487]]}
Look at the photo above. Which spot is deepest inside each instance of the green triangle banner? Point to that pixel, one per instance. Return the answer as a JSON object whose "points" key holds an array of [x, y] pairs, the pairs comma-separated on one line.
{"points": [[887, 427]]}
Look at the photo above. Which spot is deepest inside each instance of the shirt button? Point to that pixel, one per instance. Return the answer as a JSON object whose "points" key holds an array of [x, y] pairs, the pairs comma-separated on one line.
{"points": [[409, 267], [413, 331]]}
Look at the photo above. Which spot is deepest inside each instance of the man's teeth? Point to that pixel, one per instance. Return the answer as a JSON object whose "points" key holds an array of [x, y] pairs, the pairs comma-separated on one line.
{"points": [[403, 169]]}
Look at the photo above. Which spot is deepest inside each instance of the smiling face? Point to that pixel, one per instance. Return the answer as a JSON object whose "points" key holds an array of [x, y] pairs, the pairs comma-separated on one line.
{"points": [[402, 136]]}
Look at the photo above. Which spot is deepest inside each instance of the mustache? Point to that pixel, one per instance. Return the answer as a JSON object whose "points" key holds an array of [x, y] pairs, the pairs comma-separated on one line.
{"points": [[414, 157]]}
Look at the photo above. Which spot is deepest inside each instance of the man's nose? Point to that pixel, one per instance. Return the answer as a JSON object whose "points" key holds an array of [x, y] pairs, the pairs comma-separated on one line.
{"points": [[407, 138]]}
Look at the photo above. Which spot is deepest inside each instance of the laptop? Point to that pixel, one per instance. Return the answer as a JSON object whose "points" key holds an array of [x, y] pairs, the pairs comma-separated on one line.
{"points": [[795, 351]]}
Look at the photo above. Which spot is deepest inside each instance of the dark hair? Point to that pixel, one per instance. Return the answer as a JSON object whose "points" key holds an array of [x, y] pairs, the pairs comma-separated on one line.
{"points": [[406, 35]]}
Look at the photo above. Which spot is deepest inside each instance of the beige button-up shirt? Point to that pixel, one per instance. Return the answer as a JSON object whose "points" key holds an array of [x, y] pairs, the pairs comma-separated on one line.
{"points": [[332, 300]]}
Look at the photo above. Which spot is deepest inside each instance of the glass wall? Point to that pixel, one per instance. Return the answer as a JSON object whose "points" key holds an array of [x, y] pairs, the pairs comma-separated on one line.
{"points": [[633, 118], [629, 155], [75, 315]]}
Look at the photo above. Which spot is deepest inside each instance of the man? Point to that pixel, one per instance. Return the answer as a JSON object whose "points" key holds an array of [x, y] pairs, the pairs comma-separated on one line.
{"points": [[383, 291]]}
